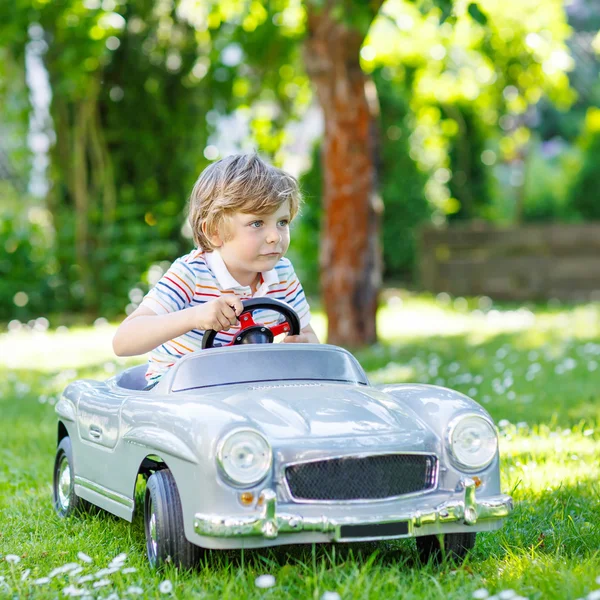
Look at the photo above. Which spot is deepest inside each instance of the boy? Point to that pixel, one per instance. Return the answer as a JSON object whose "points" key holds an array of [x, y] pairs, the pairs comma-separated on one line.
{"points": [[240, 211]]}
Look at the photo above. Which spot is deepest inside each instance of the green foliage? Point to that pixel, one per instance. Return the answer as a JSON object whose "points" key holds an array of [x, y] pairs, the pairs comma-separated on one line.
{"points": [[137, 90], [130, 96], [304, 248], [472, 77], [470, 182], [402, 184], [550, 170], [27, 276], [139, 86], [585, 190], [477, 14]]}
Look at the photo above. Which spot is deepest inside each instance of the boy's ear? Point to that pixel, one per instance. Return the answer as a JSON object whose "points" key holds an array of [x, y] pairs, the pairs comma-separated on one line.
{"points": [[213, 238]]}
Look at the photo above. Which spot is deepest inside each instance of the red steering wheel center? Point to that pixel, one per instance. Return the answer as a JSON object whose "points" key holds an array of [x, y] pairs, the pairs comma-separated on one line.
{"points": [[247, 321], [251, 332]]}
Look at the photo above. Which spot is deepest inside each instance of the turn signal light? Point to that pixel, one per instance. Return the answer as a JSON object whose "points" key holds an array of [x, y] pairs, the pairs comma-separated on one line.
{"points": [[247, 498]]}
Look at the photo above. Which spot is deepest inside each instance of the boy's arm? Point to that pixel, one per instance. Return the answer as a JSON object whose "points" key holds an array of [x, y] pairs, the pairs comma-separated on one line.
{"points": [[143, 330], [307, 336]]}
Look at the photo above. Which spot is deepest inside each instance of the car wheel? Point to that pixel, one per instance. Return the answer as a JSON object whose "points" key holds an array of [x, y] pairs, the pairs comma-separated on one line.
{"points": [[454, 546], [64, 499], [163, 522]]}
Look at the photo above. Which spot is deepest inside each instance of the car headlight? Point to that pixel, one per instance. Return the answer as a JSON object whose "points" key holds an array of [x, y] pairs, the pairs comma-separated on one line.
{"points": [[472, 441], [244, 456]]}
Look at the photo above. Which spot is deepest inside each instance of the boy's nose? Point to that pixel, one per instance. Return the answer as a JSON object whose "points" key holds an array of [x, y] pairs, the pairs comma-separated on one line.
{"points": [[273, 237]]}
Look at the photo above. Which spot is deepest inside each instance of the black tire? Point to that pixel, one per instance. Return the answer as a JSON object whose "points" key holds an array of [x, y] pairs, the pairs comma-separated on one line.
{"points": [[455, 546], [163, 524], [64, 498]]}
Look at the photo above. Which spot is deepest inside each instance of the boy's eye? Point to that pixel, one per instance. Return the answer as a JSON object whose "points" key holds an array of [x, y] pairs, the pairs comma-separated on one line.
{"points": [[283, 222], [255, 224]]}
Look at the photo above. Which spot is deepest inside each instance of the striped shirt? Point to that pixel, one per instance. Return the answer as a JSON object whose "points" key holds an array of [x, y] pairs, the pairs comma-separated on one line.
{"points": [[200, 277]]}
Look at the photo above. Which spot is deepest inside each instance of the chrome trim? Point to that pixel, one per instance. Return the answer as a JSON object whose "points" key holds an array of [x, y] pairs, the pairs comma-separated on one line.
{"points": [[293, 498], [218, 457], [64, 483], [269, 524], [152, 541], [100, 489], [284, 385], [448, 436]]}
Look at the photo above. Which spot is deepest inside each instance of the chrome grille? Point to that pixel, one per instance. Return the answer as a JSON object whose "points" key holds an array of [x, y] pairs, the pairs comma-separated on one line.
{"points": [[362, 477]]}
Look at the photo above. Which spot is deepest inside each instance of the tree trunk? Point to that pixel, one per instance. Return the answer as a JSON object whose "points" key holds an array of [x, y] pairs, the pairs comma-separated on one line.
{"points": [[350, 249]]}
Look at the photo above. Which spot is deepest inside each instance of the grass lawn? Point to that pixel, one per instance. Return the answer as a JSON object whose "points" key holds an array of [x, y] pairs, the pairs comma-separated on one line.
{"points": [[537, 371]]}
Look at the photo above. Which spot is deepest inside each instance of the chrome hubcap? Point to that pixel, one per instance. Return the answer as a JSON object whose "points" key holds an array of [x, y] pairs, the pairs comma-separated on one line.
{"points": [[64, 483], [152, 537]]}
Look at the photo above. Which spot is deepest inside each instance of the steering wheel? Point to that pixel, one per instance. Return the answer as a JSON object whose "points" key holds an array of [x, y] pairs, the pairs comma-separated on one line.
{"points": [[255, 333]]}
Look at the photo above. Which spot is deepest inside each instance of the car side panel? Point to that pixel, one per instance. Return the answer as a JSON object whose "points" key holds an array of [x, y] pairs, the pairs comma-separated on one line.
{"points": [[98, 463]]}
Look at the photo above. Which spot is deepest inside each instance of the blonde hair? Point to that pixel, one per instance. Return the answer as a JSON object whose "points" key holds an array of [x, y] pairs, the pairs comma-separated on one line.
{"points": [[238, 183]]}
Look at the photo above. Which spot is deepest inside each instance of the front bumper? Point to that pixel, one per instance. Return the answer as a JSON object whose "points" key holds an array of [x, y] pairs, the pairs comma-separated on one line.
{"points": [[465, 510]]}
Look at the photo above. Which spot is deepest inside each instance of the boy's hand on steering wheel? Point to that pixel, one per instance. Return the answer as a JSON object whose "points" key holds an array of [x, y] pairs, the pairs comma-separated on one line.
{"points": [[219, 314], [302, 338]]}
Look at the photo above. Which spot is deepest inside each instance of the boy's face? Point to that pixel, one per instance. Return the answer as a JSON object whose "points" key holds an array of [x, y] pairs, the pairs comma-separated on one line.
{"points": [[254, 243]]}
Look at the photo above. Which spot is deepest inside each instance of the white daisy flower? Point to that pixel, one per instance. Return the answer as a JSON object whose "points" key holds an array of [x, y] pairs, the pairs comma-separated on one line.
{"points": [[127, 570], [120, 558], [101, 583], [103, 572], [264, 581], [69, 567], [165, 587], [25, 574], [12, 559], [134, 590], [41, 581], [507, 594], [118, 561], [481, 593], [330, 596], [72, 591], [84, 557]]}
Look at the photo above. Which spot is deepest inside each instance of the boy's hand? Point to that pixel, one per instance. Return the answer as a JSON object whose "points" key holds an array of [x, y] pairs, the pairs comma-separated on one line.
{"points": [[306, 336], [302, 338], [219, 314]]}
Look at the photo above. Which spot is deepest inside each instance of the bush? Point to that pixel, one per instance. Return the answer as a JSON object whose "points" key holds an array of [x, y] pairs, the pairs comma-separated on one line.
{"points": [[27, 275], [550, 170], [584, 193]]}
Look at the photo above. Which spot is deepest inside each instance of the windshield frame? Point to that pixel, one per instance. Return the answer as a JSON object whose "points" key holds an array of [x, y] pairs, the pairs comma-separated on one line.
{"points": [[269, 363]]}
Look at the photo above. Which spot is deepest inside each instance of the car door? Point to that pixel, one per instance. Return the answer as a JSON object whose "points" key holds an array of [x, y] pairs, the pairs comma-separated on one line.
{"points": [[98, 423], [99, 416]]}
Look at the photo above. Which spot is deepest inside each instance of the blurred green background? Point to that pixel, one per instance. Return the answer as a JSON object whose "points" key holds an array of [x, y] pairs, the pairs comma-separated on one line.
{"points": [[110, 110]]}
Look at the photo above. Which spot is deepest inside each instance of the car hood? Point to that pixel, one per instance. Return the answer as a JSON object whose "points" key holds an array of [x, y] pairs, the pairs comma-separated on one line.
{"points": [[322, 410]]}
